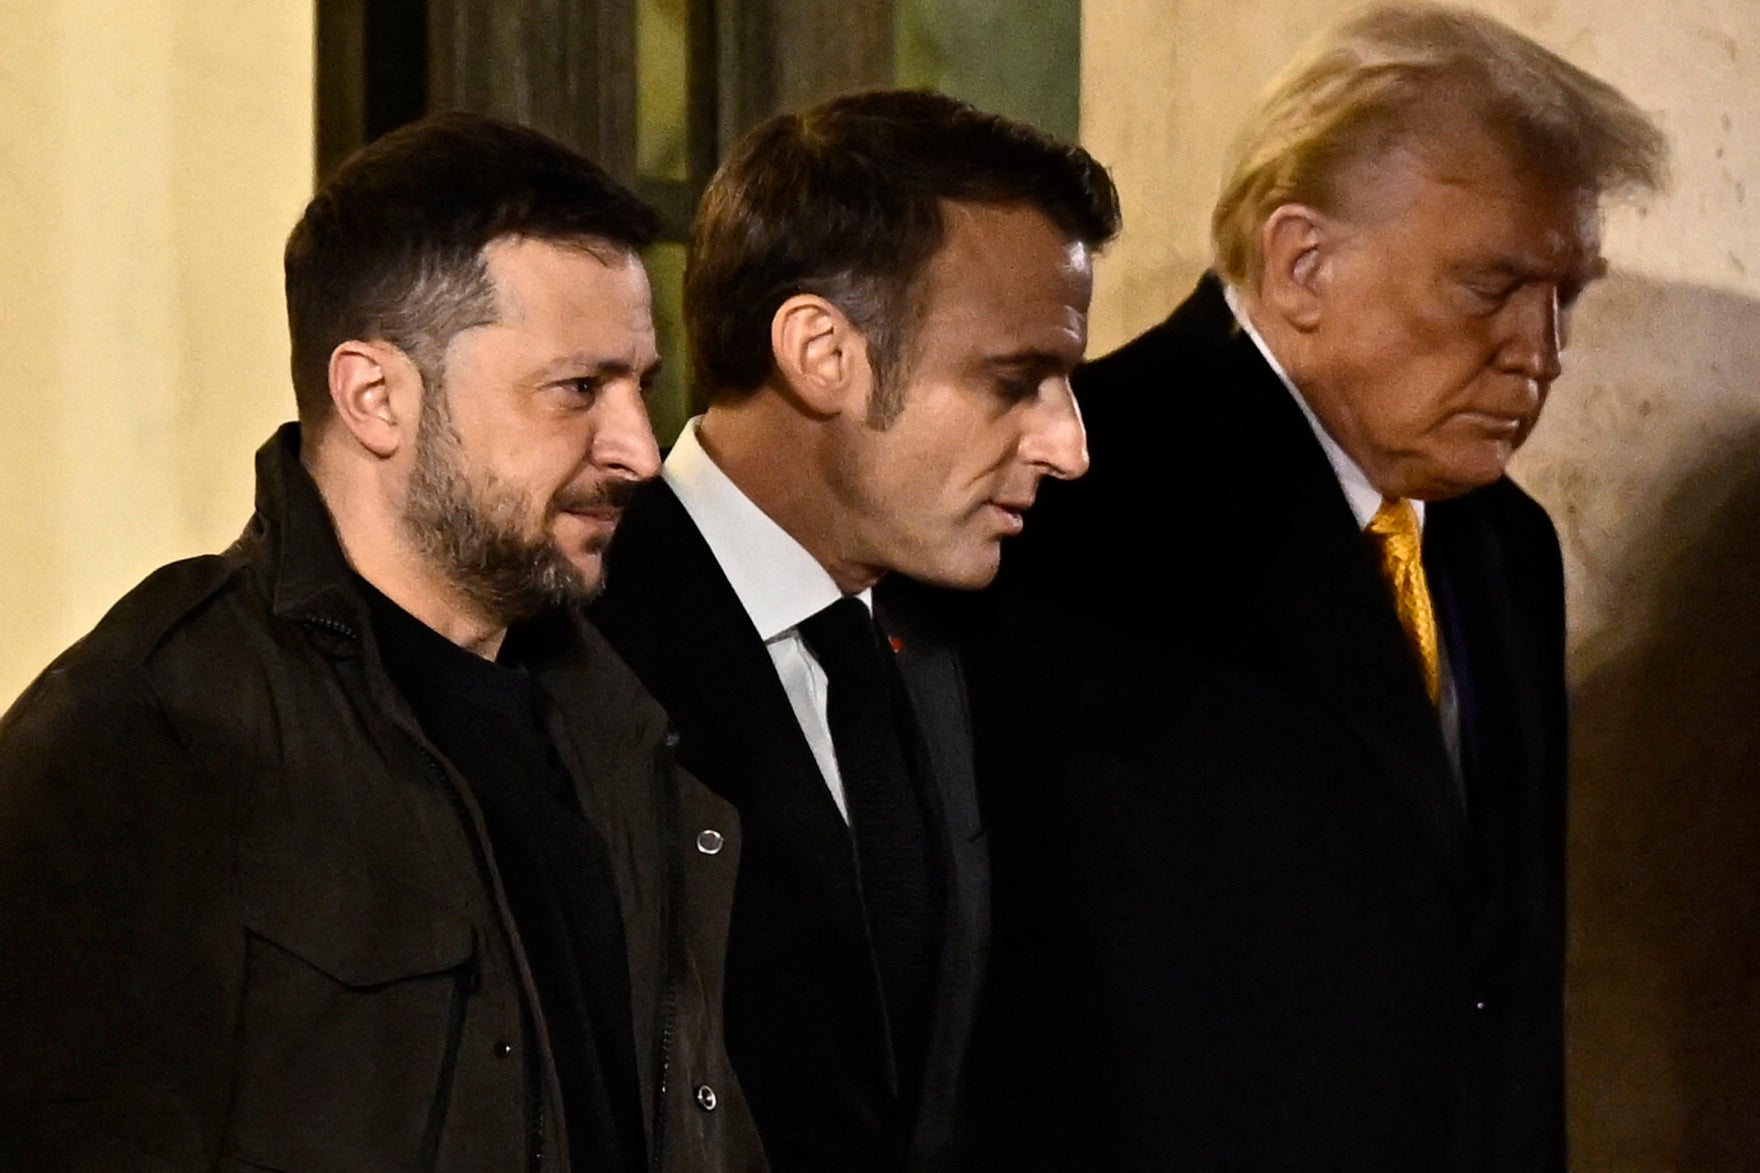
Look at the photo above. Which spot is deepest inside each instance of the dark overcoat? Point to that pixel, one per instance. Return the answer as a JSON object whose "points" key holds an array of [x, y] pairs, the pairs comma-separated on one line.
{"points": [[1248, 916]]}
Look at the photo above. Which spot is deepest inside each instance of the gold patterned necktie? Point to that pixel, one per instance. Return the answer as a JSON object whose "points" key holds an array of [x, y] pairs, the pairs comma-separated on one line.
{"points": [[1395, 530]]}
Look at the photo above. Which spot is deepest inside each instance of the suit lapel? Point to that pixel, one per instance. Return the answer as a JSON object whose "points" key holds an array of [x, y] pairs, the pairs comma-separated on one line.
{"points": [[932, 677], [718, 681], [692, 644], [935, 683]]}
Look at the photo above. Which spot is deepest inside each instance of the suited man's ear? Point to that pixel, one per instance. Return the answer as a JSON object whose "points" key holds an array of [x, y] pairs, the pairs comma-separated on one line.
{"points": [[1296, 244], [821, 357]]}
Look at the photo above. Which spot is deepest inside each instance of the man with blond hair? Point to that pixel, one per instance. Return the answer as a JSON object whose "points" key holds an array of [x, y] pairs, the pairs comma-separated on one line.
{"points": [[1280, 858]]}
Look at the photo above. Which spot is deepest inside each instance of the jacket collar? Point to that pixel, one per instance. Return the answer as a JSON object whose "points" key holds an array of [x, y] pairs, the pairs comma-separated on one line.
{"points": [[308, 575], [310, 578]]}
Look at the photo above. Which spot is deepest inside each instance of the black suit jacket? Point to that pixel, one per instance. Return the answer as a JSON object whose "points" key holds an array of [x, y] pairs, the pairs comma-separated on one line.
{"points": [[1244, 918], [804, 1017]]}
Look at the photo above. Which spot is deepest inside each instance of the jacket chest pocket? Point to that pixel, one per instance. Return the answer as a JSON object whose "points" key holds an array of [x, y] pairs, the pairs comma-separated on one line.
{"points": [[351, 1017]]}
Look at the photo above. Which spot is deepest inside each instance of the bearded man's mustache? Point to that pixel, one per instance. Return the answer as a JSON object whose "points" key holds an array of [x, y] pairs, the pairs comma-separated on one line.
{"points": [[608, 497]]}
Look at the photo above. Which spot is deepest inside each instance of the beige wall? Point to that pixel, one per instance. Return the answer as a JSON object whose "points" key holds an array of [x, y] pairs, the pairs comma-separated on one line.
{"points": [[153, 155], [1648, 459]]}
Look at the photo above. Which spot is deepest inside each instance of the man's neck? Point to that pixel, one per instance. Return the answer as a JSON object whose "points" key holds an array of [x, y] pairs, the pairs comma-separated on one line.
{"points": [[1362, 497], [376, 547], [773, 457]]}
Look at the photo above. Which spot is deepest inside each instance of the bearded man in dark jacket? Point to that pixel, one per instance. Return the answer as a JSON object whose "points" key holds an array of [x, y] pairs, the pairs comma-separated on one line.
{"points": [[354, 846]]}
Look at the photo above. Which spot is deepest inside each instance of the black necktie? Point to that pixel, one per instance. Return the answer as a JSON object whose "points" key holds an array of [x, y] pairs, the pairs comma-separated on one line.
{"points": [[880, 759]]}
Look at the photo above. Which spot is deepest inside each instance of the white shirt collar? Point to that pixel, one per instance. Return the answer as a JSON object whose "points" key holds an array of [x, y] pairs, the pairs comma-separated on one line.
{"points": [[1364, 498], [777, 581]]}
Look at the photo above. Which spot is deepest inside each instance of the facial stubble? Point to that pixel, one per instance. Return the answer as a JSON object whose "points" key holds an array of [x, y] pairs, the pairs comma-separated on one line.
{"points": [[476, 533]]}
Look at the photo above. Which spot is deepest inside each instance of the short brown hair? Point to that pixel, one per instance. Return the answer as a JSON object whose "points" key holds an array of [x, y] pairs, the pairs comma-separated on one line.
{"points": [[1364, 89], [844, 201], [392, 246]]}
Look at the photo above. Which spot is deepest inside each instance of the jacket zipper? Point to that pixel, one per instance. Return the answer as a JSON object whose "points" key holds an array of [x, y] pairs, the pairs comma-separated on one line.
{"points": [[674, 944], [332, 626]]}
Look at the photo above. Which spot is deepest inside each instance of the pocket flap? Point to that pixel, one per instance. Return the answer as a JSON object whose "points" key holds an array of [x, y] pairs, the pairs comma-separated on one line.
{"points": [[364, 931]]}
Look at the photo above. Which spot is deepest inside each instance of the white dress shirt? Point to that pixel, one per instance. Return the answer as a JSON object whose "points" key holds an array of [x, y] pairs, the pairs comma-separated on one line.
{"points": [[1365, 499], [778, 583]]}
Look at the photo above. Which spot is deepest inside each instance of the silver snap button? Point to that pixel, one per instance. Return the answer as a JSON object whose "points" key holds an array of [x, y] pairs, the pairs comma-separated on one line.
{"points": [[706, 1097], [503, 1049], [710, 841]]}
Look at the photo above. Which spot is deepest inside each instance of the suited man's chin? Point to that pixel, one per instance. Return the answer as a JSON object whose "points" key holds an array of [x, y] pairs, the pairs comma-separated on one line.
{"points": [[963, 568], [1450, 473]]}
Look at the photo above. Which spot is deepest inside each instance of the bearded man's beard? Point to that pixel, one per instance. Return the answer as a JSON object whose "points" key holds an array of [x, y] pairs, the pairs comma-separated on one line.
{"points": [[477, 534]]}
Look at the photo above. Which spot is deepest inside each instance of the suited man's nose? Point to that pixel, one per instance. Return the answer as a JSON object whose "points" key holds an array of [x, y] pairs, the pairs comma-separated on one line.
{"points": [[1056, 441], [1536, 342]]}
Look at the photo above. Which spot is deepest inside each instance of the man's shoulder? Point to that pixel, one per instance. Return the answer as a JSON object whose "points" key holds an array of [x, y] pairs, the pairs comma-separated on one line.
{"points": [[1508, 501], [664, 599], [1178, 390], [605, 682], [653, 535], [173, 604], [1501, 536], [110, 722], [1193, 336], [659, 571], [1521, 523]]}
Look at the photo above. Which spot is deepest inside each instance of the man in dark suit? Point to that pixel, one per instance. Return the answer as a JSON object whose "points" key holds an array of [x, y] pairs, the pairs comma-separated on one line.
{"points": [[1275, 699], [885, 297]]}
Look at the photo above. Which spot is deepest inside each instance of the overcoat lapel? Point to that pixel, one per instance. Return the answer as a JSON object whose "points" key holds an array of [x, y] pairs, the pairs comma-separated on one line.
{"points": [[1495, 672], [1365, 670]]}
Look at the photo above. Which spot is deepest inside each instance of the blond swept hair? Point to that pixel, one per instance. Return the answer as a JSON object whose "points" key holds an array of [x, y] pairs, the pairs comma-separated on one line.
{"points": [[1379, 81]]}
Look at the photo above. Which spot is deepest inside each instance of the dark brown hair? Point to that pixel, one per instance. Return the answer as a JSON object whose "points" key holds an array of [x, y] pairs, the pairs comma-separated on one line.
{"points": [[391, 249], [844, 201]]}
